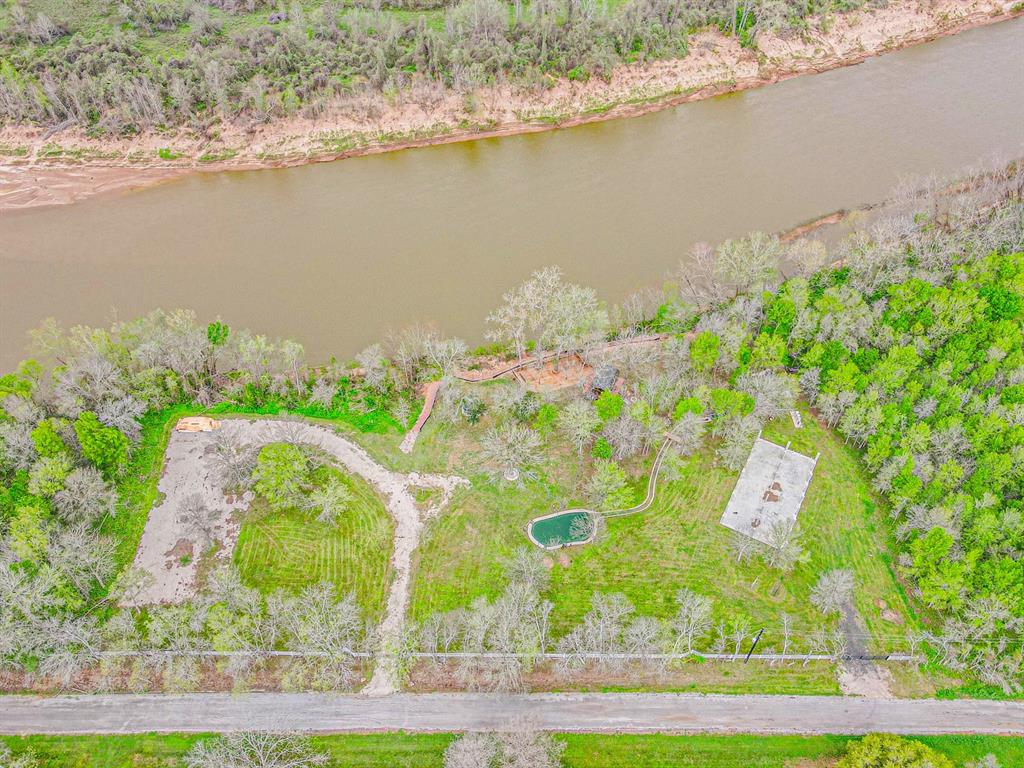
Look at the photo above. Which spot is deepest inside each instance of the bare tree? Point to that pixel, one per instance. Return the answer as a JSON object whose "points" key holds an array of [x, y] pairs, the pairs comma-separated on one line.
{"points": [[199, 519], [82, 556], [579, 420], [526, 566], [750, 263], [316, 622], [806, 256], [446, 354], [519, 746], [787, 631], [587, 527], [523, 746], [27, 760], [692, 619], [16, 447], [784, 549], [738, 435], [375, 368], [833, 590], [232, 460], [831, 642], [322, 393], [601, 632], [255, 749], [744, 547], [773, 393], [688, 433], [626, 436], [472, 750], [85, 498], [510, 449], [330, 501]]}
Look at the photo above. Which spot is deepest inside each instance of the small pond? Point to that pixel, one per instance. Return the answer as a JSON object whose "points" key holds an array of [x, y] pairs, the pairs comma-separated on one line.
{"points": [[554, 531]]}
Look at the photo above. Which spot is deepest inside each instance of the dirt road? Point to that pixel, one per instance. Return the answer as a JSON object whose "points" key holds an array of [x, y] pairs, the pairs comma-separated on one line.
{"points": [[595, 712]]}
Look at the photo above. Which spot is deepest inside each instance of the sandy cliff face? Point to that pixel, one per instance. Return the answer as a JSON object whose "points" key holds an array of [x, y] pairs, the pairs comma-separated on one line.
{"points": [[716, 64]]}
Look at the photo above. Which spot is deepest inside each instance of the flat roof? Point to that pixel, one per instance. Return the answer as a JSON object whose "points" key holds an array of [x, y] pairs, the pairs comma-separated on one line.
{"points": [[770, 490]]}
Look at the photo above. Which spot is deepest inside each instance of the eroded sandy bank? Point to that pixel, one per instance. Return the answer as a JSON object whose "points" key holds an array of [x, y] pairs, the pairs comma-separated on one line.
{"points": [[38, 169]]}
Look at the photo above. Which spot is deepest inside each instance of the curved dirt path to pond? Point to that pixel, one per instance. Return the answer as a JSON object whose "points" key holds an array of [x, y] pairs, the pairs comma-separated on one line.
{"points": [[643, 506], [188, 470]]}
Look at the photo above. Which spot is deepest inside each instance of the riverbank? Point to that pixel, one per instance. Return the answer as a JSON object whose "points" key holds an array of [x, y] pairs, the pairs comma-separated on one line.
{"points": [[39, 168]]}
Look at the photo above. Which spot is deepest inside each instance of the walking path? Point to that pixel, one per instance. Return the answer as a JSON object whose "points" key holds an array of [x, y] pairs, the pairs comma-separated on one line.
{"points": [[189, 468], [429, 395], [587, 712], [547, 357]]}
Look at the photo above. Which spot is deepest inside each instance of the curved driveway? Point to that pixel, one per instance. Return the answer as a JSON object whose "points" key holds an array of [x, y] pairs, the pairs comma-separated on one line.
{"points": [[633, 713]]}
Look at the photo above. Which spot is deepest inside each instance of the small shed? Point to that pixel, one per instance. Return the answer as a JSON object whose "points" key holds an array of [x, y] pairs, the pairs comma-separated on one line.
{"points": [[604, 380]]}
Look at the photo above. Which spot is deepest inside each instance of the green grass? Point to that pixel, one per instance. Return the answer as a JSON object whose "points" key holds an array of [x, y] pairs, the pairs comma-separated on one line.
{"points": [[289, 550], [402, 750], [678, 543], [137, 487]]}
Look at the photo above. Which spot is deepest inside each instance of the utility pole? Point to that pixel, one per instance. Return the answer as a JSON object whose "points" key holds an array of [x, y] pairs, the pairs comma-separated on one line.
{"points": [[754, 644]]}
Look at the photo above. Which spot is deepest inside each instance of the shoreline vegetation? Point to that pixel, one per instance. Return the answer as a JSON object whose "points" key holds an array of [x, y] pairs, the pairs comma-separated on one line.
{"points": [[900, 347], [43, 165]]}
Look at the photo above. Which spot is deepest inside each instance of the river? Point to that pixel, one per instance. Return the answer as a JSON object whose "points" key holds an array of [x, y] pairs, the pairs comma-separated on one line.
{"points": [[336, 254]]}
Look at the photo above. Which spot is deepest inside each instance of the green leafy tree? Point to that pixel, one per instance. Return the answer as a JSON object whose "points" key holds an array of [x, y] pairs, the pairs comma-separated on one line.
{"points": [[609, 487], [217, 333], [106, 447], [704, 351], [48, 474], [687, 405], [46, 439], [887, 750], [282, 475], [728, 403], [608, 405], [26, 534]]}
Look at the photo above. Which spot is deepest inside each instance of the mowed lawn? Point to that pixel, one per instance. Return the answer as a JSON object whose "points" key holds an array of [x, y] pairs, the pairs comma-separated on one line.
{"points": [[462, 553], [403, 750], [291, 549], [679, 543]]}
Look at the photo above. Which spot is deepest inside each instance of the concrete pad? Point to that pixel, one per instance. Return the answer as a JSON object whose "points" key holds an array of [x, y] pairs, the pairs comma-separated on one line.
{"points": [[770, 490]]}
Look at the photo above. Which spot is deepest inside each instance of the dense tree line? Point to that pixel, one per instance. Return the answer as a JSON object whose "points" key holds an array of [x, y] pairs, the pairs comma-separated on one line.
{"points": [[103, 77]]}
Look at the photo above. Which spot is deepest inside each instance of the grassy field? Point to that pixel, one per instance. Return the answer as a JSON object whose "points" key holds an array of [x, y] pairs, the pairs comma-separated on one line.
{"points": [[291, 549], [400, 750], [679, 543]]}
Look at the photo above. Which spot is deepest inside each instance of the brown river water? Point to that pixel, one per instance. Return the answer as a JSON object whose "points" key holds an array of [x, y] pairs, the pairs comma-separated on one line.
{"points": [[336, 254]]}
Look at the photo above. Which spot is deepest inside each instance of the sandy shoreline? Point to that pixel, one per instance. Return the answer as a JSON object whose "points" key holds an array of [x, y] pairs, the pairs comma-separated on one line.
{"points": [[38, 169]]}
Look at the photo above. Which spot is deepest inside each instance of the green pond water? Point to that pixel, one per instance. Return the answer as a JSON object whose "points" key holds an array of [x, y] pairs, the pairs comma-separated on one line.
{"points": [[554, 531]]}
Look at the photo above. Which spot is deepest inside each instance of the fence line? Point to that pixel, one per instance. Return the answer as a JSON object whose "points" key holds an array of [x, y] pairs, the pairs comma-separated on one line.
{"points": [[455, 655]]}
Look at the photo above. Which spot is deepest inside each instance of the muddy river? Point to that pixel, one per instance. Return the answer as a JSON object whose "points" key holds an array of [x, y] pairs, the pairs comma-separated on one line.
{"points": [[336, 254]]}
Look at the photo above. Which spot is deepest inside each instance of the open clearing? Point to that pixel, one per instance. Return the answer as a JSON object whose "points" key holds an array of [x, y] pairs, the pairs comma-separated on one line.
{"points": [[679, 543], [291, 550], [191, 469]]}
